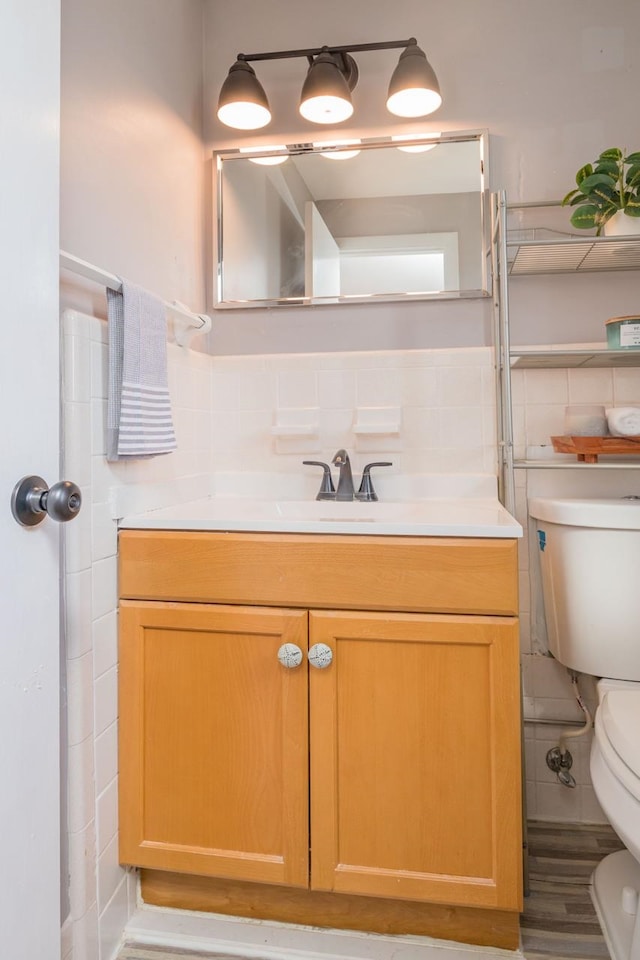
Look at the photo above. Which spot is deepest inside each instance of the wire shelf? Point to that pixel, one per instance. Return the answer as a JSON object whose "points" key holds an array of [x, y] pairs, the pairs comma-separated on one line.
{"points": [[556, 358], [572, 255]]}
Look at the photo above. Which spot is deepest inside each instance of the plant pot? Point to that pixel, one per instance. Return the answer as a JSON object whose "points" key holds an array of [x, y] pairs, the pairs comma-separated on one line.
{"points": [[620, 225]]}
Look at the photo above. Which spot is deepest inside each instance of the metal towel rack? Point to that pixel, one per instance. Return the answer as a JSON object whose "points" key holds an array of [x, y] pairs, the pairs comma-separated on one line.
{"points": [[186, 324]]}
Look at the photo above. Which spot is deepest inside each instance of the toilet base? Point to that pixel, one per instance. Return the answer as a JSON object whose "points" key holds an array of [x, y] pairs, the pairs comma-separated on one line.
{"points": [[621, 929]]}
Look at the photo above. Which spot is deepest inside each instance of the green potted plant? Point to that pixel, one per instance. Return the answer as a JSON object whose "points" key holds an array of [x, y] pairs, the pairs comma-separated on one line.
{"points": [[608, 194]]}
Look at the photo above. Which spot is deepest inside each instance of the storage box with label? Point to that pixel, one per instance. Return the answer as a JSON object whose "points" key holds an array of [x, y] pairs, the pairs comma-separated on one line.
{"points": [[623, 333]]}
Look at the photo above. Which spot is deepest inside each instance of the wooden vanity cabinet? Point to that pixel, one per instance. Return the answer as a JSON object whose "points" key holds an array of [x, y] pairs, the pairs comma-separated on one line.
{"points": [[394, 772]]}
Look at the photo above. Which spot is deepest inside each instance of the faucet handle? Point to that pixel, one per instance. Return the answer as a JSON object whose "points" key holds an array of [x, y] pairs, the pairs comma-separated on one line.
{"points": [[366, 491], [327, 490]]}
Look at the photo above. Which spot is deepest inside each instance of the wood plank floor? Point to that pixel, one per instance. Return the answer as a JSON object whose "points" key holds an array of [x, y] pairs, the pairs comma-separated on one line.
{"points": [[559, 921]]}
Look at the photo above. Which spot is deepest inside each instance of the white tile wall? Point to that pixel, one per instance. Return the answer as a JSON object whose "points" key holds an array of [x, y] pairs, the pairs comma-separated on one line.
{"points": [[80, 784], [107, 815], [105, 642], [100, 893], [540, 397], [80, 696], [106, 757], [82, 874], [114, 917]]}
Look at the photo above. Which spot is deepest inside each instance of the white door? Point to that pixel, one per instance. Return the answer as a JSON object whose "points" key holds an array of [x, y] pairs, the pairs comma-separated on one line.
{"points": [[29, 565]]}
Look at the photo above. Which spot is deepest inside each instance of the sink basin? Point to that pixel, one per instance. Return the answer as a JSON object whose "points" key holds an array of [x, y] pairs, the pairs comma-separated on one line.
{"points": [[441, 517]]}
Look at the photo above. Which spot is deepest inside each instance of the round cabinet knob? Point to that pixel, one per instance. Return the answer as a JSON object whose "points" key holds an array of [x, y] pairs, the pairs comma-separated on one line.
{"points": [[290, 655], [320, 656], [32, 500]]}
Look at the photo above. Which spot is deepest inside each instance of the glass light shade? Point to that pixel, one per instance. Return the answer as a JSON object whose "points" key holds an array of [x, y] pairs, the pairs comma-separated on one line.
{"points": [[242, 103], [325, 97], [326, 109], [414, 103], [402, 142], [414, 89], [244, 115]]}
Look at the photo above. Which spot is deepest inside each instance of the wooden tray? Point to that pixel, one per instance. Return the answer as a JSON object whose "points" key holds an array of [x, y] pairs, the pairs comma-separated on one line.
{"points": [[588, 449]]}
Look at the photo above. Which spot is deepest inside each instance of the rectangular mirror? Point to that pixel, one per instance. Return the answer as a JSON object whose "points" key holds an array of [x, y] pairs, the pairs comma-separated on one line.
{"points": [[376, 219]]}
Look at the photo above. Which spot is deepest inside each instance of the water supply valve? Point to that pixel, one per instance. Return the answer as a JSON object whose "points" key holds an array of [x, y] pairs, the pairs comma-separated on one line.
{"points": [[561, 762]]}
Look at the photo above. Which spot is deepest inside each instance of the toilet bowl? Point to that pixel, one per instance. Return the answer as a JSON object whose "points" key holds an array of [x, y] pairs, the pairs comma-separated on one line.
{"points": [[615, 773], [590, 557]]}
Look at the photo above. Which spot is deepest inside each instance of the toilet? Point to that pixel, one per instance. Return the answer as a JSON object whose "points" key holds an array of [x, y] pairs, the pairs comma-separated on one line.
{"points": [[590, 564]]}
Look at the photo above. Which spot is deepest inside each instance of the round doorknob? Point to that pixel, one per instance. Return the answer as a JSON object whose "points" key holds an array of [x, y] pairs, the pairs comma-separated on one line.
{"points": [[63, 501], [290, 655], [32, 500], [320, 656]]}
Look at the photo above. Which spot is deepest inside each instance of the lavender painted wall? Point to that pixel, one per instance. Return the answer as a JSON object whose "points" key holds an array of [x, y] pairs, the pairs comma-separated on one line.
{"points": [[132, 181]]}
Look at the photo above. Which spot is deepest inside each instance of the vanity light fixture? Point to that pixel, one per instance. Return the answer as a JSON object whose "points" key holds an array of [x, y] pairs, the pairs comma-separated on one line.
{"points": [[326, 92]]}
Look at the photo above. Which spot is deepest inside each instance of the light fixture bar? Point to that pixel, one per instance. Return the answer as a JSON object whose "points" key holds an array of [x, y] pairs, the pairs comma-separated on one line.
{"points": [[331, 76], [315, 51]]}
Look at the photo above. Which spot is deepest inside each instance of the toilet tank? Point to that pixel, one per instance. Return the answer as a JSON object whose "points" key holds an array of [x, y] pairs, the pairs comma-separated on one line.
{"points": [[590, 562]]}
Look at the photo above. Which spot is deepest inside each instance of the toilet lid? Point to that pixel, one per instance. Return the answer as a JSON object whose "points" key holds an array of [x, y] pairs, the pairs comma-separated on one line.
{"points": [[620, 711]]}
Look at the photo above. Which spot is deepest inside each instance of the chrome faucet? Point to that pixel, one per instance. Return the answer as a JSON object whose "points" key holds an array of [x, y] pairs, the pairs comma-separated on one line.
{"points": [[345, 489]]}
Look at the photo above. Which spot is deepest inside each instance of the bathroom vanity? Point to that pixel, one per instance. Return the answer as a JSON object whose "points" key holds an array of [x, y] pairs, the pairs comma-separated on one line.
{"points": [[371, 781]]}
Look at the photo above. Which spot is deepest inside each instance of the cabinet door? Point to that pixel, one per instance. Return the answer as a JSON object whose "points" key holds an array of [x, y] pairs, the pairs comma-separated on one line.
{"points": [[213, 741], [415, 758]]}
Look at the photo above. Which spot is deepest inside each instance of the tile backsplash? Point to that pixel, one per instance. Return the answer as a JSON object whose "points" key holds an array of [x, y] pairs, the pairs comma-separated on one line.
{"points": [[431, 411]]}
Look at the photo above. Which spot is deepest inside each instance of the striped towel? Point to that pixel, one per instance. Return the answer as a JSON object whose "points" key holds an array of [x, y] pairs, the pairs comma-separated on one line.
{"points": [[139, 423]]}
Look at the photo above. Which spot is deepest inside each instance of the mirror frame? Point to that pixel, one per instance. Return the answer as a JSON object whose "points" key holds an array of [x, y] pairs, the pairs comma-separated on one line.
{"points": [[373, 143]]}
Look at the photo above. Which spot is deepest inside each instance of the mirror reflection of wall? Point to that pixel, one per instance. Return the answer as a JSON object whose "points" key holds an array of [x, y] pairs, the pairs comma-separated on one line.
{"points": [[416, 263], [384, 223], [264, 237]]}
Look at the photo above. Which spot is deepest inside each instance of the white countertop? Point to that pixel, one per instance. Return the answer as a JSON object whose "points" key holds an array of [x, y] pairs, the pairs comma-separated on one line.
{"points": [[433, 517]]}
